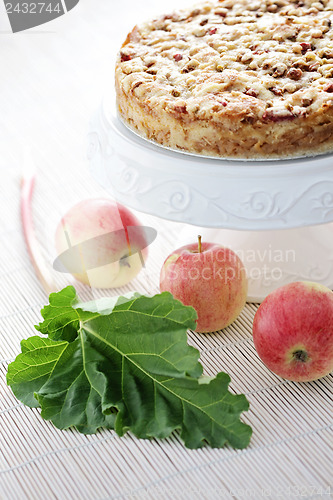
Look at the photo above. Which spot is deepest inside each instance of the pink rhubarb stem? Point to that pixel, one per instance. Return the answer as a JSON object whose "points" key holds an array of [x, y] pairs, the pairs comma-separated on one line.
{"points": [[27, 188]]}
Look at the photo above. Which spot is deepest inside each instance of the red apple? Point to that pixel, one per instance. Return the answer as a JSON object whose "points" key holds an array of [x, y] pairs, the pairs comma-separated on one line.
{"points": [[210, 278], [101, 243], [293, 331]]}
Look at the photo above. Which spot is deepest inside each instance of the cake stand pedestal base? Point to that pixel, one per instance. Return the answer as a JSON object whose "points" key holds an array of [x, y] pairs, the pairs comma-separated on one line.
{"points": [[275, 258], [258, 203]]}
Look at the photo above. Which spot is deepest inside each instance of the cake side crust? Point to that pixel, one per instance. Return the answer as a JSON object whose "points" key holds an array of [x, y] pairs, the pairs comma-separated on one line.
{"points": [[221, 138]]}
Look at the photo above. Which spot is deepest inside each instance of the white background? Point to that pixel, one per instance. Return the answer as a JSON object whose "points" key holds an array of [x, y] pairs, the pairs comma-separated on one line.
{"points": [[53, 77]]}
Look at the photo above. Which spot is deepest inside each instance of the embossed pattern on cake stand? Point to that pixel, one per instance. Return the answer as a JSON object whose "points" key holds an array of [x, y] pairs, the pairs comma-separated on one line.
{"points": [[250, 206]]}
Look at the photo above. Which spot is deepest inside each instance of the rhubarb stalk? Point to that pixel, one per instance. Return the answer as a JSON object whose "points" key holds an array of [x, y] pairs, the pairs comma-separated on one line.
{"points": [[27, 188]]}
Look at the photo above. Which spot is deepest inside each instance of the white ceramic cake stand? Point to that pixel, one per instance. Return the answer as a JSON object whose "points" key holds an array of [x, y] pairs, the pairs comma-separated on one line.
{"points": [[275, 214]]}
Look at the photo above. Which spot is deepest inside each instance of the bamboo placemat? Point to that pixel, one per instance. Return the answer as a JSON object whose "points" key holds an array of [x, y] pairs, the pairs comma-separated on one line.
{"points": [[49, 87], [291, 450]]}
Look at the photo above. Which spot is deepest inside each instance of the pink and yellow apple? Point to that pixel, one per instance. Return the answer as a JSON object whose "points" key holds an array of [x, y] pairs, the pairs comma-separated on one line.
{"points": [[210, 278], [293, 331], [101, 243]]}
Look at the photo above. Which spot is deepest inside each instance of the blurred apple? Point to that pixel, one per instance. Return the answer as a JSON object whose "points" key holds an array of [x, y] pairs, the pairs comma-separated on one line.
{"points": [[210, 278], [101, 243], [293, 331]]}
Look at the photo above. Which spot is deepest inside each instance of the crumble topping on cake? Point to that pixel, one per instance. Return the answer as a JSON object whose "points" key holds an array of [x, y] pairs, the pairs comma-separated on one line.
{"points": [[232, 67]]}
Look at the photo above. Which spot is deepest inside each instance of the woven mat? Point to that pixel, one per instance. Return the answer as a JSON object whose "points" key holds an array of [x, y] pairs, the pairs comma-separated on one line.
{"points": [[50, 84]]}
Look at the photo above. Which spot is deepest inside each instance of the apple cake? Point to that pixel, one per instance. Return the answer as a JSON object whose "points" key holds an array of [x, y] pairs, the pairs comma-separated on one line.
{"points": [[233, 78]]}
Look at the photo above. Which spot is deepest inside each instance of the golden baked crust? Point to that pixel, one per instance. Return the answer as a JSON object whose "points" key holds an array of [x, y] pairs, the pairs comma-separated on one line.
{"points": [[233, 78]]}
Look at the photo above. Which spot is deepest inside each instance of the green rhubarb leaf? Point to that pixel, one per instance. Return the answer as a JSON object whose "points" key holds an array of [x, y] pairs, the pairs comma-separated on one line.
{"points": [[73, 395], [63, 314], [60, 366], [33, 367], [129, 367], [61, 319]]}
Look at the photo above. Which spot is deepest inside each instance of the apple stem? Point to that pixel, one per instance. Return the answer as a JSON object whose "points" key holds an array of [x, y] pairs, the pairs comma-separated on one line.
{"points": [[199, 244]]}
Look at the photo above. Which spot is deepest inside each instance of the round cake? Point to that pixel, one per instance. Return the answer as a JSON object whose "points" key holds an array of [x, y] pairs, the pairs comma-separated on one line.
{"points": [[233, 79]]}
